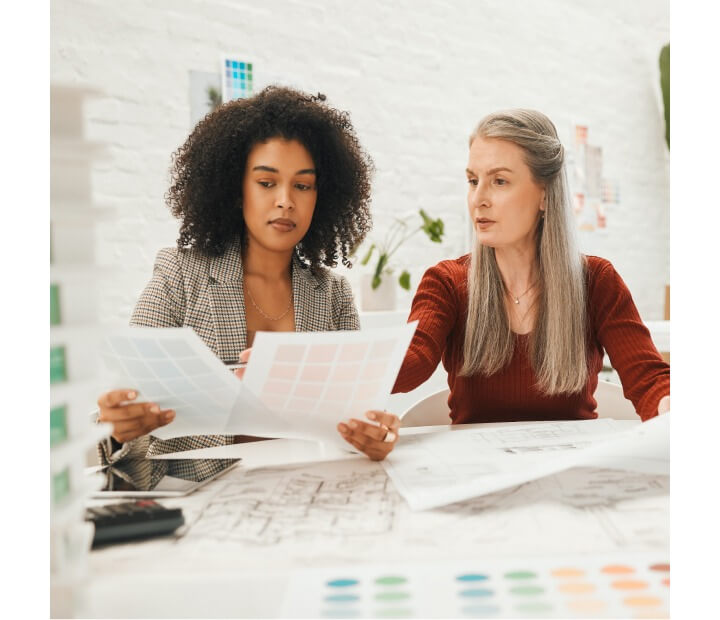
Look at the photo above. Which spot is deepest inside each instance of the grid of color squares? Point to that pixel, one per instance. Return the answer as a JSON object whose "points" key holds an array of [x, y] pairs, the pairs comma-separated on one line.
{"points": [[167, 371], [335, 377], [237, 79], [612, 588]]}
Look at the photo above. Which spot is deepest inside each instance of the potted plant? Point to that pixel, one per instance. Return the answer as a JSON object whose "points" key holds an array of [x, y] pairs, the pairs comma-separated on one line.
{"points": [[378, 288]]}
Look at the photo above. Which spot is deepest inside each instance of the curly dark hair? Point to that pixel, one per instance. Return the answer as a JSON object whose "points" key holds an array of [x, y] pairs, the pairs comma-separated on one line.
{"points": [[208, 171]]}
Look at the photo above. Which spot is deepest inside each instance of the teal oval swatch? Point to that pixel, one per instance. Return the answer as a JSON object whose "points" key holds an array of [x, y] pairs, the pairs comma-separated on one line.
{"points": [[390, 581], [342, 583], [342, 598], [476, 592], [520, 574], [481, 610], [394, 612], [527, 590], [472, 577], [391, 596], [532, 608]]}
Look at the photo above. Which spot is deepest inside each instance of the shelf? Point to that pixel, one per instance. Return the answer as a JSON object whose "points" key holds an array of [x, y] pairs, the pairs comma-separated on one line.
{"points": [[71, 150], [61, 272], [73, 451]]}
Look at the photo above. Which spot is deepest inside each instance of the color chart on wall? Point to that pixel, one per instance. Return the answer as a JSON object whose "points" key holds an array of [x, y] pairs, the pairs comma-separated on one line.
{"points": [[237, 78], [627, 586]]}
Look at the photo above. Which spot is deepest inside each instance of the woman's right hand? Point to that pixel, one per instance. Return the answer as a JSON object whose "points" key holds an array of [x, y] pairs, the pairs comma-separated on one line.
{"points": [[131, 420]]}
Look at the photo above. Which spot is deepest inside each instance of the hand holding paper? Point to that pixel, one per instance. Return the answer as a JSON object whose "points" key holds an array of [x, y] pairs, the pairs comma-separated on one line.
{"points": [[298, 384]]}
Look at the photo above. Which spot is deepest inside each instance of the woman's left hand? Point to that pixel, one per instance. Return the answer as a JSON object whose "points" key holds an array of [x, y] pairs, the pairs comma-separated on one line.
{"points": [[664, 405], [375, 441]]}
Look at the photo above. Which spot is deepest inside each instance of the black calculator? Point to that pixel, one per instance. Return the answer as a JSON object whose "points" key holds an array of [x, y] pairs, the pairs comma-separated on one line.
{"points": [[132, 520]]}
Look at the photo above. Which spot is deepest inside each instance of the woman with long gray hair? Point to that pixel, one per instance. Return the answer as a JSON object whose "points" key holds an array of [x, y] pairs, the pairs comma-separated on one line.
{"points": [[521, 324]]}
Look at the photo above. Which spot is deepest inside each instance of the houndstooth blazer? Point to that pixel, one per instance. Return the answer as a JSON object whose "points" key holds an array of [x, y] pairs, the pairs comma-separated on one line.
{"points": [[189, 289]]}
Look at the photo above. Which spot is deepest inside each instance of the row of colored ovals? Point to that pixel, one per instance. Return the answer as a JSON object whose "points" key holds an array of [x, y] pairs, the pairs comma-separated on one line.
{"points": [[344, 598], [473, 586], [622, 581]]}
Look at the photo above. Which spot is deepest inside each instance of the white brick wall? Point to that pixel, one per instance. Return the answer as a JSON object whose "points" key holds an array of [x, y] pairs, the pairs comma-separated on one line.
{"points": [[415, 75]]}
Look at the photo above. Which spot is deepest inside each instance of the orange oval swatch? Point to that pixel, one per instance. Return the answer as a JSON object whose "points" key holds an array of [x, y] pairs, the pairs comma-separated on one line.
{"points": [[642, 601], [663, 568], [617, 569], [666, 582], [629, 584], [568, 572], [576, 588]]}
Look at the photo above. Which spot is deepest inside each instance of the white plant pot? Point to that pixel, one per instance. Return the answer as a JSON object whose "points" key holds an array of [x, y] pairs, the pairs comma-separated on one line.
{"points": [[381, 298]]}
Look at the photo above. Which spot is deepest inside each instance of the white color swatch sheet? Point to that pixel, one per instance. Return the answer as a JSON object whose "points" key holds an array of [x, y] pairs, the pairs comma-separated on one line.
{"points": [[296, 384], [436, 469]]}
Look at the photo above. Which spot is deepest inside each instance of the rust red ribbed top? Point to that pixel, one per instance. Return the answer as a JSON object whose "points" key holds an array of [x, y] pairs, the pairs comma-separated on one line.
{"points": [[440, 307]]}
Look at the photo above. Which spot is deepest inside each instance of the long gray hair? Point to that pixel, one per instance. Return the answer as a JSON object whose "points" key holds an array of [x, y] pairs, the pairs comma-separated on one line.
{"points": [[557, 346]]}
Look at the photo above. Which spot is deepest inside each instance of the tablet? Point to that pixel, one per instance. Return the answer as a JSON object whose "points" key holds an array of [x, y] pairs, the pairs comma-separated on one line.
{"points": [[167, 487]]}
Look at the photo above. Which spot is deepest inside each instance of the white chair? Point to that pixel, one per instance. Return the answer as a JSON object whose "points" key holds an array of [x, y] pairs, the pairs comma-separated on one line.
{"points": [[612, 404], [428, 411]]}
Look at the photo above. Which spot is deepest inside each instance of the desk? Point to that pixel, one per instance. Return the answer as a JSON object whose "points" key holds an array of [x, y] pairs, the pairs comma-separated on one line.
{"points": [[251, 532]]}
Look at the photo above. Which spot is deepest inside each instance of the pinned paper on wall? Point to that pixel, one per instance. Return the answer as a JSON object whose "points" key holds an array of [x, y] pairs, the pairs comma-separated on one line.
{"points": [[237, 77], [591, 192]]}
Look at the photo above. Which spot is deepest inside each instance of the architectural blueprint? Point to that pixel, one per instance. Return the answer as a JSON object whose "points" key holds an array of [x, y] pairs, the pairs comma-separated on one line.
{"points": [[432, 469], [348, 511]]}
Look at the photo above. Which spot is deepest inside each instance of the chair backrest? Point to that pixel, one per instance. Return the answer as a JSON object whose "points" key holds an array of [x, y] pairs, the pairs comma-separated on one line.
{"points": [[428, 411], [612, 404]]}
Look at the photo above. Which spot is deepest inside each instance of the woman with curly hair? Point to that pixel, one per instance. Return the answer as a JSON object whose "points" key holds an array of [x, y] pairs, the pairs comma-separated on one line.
{"points": [[270, 192]]}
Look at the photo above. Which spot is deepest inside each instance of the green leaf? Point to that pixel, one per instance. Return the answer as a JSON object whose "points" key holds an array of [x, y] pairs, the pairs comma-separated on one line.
{"points": [[366, 260], [382, 261], [404, 280], [376, 281]]}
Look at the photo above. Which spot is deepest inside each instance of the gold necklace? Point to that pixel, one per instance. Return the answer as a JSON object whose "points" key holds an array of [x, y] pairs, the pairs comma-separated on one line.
{"points": [[260, 310], [517, 298]]}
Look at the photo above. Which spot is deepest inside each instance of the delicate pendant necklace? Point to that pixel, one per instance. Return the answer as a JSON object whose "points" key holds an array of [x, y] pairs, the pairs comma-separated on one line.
{"points": [[517, 298], [260, 310]]}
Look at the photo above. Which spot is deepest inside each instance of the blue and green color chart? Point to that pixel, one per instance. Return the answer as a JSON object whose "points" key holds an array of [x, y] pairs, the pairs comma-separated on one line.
{"points": [[237, 78]]}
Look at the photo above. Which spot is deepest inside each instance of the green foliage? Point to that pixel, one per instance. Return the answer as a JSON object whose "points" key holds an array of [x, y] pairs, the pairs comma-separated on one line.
{"points": [[665, 86], [214, 98], [397, 235]]}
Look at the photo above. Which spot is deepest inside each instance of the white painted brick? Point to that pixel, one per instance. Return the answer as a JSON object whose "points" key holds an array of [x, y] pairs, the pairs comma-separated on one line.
{"points": [[415, 76]]}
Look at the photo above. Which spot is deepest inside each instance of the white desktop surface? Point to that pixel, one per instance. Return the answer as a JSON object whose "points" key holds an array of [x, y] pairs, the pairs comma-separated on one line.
{"points": [[246, 573]]}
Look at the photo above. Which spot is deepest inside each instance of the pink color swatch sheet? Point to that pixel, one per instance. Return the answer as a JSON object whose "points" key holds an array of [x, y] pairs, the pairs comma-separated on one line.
{"points": [[317, 379]]}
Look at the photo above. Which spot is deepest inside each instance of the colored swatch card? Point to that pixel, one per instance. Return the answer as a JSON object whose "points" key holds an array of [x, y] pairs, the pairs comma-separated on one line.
{"points": [[60, 485], [609, 586], [313, 380], [439, 468], [54, 304], [58, 370], [237, 78], [58, 425]]}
